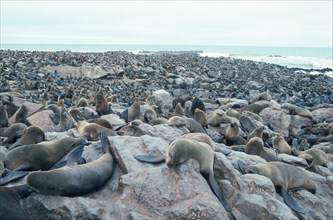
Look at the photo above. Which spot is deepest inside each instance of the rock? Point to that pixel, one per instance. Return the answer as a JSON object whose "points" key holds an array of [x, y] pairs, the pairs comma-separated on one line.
{"points": [[297, 123], [31, 109], [277, 120], [292, 160], [168, 133], [321, 114], [190, 198], [114, 119], [163, 99], [43, 120]]}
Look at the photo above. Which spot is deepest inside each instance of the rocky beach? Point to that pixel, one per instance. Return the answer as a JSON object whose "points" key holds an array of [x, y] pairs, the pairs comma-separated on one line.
{"points": [[146, 101]]}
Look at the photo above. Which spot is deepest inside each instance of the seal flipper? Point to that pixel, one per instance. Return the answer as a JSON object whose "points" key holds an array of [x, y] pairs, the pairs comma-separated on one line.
{"points": [[113, 150], [291, 202], [150, 159], [217, 191], [12, 176], [22, 190], [72, 158]]}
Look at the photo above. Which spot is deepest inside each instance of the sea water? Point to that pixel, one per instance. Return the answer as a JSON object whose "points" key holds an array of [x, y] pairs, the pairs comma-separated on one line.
{"points": [[300, 57]]}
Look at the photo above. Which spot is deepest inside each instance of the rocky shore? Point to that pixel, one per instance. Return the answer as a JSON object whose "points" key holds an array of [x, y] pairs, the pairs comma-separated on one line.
{"points": [[230, 100]]}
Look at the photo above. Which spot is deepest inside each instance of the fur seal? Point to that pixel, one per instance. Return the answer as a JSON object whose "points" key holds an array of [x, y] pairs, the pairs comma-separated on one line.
{"points": [[83, 102], [101, 121], [76, 114], [149, 114], [261, 96], [281, 145], [232, 133], [180, 100], [102, 106], [254, 107], [14, 132], [21, 115], [3, 116], [191, 124], [314, 157], [182, 149], [258, 132], [197, 103], [92, 130], [66, 121], [131, 130], [158, 121], [40, 156], [284, 177], [75, 180], [134, 112], [10, 207], [200, 116], [252, 115], [295, 110], [56, 113], [31, 135], [255, 146], [218, 117]]}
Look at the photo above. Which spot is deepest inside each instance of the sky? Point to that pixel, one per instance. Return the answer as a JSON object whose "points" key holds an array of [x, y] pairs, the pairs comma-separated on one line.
{"points": [[243, 23]]}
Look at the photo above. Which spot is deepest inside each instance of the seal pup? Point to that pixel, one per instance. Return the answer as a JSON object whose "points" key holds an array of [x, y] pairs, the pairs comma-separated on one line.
{"points": [[102, 106], [255, 146], [197, 103], [261, 96], [31, 135], [66, 121], [10, 207], [131, 130], [40, 156], [191, 124], [314, 157], [218, 117], [232, 133], [3, 116], [76, 180], [182, 149], [285, 177], [281, 145], [295, 110], [92, 130], [200, 116], [134, 112], [14, 132], [158, 121]]}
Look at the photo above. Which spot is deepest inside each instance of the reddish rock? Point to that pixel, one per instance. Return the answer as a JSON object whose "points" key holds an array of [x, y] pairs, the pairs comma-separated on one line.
{"points": [[43, 120]]}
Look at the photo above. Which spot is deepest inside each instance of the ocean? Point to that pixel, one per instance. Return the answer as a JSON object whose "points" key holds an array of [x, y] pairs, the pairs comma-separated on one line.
{"points": [[300, 57]]}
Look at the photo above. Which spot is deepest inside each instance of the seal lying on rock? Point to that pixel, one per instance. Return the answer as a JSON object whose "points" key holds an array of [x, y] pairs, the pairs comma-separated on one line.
{"points": [[255, 146], [314, 157], [14, 132], [284, 177], [31, 135], [182, 149], [76, 180], [92, 130]]}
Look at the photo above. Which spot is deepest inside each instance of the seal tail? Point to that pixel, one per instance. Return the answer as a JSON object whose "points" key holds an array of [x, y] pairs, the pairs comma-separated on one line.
{"points": [[217, 191], [291, 202], [150, 159]]}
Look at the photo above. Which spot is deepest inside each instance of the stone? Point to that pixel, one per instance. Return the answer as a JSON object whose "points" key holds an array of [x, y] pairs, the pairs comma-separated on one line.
{"points": [[43, 120], [321, 114], [31, 109], [277, 120]]}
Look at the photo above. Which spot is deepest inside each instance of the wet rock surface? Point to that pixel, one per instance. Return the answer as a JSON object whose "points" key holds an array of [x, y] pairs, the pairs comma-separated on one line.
{"points": [[139, 190]]}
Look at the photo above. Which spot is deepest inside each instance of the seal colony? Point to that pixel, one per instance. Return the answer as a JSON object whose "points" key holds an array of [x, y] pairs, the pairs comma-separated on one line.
{"points": [[197, 106]]}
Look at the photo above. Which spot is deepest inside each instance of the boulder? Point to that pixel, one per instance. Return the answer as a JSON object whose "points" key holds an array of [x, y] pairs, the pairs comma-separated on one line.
{"points": [[43, 120], [277, 120]]}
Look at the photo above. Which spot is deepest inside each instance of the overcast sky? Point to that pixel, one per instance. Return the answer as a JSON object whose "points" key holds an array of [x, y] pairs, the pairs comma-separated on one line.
{"points": [[246, 23]]}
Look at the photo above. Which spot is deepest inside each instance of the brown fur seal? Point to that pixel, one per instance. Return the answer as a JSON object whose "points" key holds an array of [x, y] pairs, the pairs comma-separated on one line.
{"points": [[149, 114], [295, 110], [21, 115], [101, 121], [252, 115], [191, 124], [178, 111], [180, 100], [261, 96], [83, 102], [40, 156], [158, 121], [281, 145], [197, 103], [233, 113], [131, 130], [200, 116], [31, 135], [314, 157], [258, 132], [254, 107], [255, 146], [92, 130], [218, 117], [10, 207], [3, 116], [76, 114], [102, 106], [14, 132], [134, 112], [56, 113], [75, 180], [232, 133], [66, 121], [284, 177], [183, 149]]}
